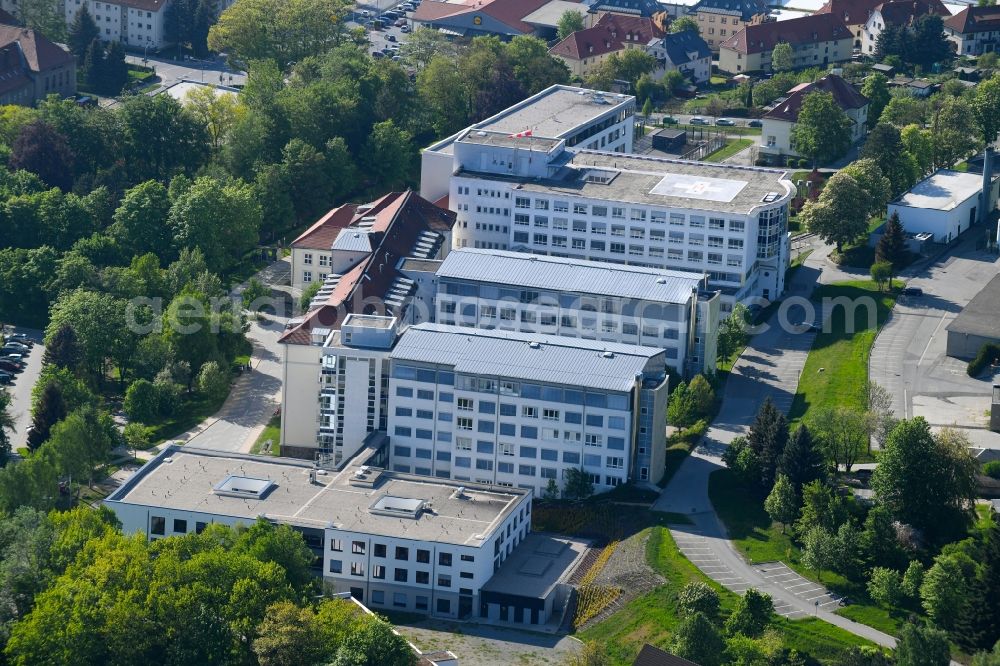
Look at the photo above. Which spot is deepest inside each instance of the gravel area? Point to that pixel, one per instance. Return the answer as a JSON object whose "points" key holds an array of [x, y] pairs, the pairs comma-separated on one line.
{"points": [[627, 569]]}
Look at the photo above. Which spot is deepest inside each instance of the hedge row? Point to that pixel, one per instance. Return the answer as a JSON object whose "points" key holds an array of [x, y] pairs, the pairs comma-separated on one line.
{"points": [[988, 354]]}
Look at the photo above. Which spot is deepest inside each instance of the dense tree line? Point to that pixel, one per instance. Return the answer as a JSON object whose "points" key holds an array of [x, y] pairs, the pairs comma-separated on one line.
{"points": [[76, 590]]}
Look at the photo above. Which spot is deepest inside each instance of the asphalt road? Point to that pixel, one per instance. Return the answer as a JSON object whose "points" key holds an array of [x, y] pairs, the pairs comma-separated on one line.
{"points": [[20, 390], [908, 357], [172, 71]]}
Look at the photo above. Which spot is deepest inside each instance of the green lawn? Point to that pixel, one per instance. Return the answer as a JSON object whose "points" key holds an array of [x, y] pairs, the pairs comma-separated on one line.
{"points": [[759, 539], [836, 369], [652, 617], [728, 150], [271, 432]]}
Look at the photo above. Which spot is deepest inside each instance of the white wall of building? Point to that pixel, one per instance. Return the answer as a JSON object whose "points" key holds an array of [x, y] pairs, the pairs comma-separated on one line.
{"points": [[722, 245]]}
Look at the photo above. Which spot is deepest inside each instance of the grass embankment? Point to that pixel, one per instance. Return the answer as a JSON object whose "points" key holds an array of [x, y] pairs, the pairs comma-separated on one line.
{"points": [[836, 370], [271, 432], [731, 148], [653, 617]]}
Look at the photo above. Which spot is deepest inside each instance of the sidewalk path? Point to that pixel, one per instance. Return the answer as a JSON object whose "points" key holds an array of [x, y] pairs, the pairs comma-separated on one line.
{"points": [[769, 367]]}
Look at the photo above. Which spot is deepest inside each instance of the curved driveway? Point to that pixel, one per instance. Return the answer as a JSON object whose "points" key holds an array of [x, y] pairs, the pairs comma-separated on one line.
{"points": [[769, 367]]}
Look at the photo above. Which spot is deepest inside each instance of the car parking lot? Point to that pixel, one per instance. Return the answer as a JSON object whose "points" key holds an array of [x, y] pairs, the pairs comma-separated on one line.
{"points": [[20, 387], [387, 40]]}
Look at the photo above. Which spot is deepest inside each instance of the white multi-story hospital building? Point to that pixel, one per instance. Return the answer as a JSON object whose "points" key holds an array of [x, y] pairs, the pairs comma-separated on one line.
{"points": [[726, 222], [393, 541]]}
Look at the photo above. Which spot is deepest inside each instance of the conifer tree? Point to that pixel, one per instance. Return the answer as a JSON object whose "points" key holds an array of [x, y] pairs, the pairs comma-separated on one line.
{"points": [[82, 32]]}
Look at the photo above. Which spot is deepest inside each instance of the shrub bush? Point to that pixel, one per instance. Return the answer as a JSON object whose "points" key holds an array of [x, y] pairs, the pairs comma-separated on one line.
{"points": [[988, 354], [992, 469]]}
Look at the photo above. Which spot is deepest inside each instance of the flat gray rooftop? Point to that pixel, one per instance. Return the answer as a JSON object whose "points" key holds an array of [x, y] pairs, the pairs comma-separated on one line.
{"points": [[536, 565], [569, 275], [369, 321], [535, 357], [942, 190], [552, 113], [670, 183], [981, 317], [504, 139], [413, 264], [185, 477]]}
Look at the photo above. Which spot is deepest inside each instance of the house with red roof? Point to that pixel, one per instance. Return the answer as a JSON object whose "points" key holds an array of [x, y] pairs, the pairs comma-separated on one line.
{"points": [[816, 40], [854, 14], [478, 17], [897, 13], [33, 67], [585, 50], [974, 30], [777, 124]]}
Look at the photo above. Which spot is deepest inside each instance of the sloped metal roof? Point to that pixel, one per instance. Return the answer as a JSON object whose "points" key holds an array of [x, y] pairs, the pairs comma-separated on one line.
{"points": [[517, 269], [532, 357]]}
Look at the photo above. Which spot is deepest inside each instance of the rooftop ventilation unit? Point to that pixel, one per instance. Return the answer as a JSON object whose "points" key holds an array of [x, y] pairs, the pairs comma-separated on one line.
{"points": [[534, 345], [607, 354]]}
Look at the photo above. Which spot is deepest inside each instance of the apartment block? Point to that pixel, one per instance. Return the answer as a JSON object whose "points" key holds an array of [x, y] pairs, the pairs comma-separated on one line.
{"points": [[392, 541], [495, 289], [578, 116], [718, 20], [816, 40], [525, 194], [520, 409]]}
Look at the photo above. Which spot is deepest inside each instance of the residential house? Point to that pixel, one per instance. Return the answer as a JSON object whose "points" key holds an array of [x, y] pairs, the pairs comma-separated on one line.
{"points": [[854, 13], [504, 18], [33, 67], [645, 8], [718, 20], [897, 13], [137, 24], [585, 50], [685, 52], [816, 40], [778, 122], [974, 30]]}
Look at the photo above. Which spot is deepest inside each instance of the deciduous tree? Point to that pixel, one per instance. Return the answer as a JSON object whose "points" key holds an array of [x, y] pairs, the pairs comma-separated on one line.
{"points": [[40, 149], [569, 22], [697, 640], [751, 615], [876, 89], [782, 57], [840, 214], [921, 645], [782, 504], [823, 131], [926, 481]]}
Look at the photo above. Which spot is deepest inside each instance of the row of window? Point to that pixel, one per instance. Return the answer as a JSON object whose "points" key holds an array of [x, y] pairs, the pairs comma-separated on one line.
{"points": [[617, 213], [399, 575], [323, 259], [402, 553], [158, 526], [400, 600], [549, 394]]}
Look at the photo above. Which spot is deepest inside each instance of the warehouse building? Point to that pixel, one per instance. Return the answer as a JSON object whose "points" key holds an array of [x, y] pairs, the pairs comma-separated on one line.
{"points": [[977, 324]]}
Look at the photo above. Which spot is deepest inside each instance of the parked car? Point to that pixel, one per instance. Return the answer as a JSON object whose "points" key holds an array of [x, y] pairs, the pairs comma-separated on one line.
{"points": [[400, 23], [390, 38], [396, 58], [913, 291], [15, 348], [698, 120], [20, 337], [755, 123], [378, 54], [9, 366], [725, 122], [6, 377], [669, 120], [404, 28]]}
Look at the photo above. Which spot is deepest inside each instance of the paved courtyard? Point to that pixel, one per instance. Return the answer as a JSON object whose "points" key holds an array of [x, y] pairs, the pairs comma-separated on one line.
{"points": [[485, 645]]}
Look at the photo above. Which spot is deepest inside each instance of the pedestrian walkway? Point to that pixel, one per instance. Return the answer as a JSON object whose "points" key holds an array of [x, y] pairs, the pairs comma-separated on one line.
{"points": [[769, 368]]}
